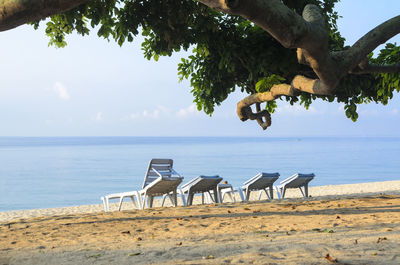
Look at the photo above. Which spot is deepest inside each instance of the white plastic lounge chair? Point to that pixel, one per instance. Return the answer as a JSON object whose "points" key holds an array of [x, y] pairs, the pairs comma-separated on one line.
{"points": [[160, 179], [259, 182], [227, 189], [200, 184], [296, 181], [121, 196]]}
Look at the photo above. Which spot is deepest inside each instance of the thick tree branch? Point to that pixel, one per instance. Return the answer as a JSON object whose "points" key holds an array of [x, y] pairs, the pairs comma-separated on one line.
{"points": [[370, 41], [273, 16], [14, 13], [370, 69]]}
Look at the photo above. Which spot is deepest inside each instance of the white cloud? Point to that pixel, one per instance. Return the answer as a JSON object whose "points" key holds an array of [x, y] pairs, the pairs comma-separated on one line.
{"points": [[99, 116], [162, 111], [191, 110], [153, 114], [395, 111], [62, 91]]}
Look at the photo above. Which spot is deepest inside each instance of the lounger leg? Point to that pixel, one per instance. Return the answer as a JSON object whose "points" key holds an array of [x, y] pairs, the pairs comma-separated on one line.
{"points": [[144, 200], [190, 198], [209, 197], [268, 196], [108, 204], [277, 192], [104, 203], [305, 192], [247, 194], [163, 199], [259, 194], [139, 199], [223, 193], [271, 192], [240, 190], [219, 193], [283, 191], [182, 197], [151, 200], [231, 195], [133, 201], [302, 193], [175, 198], [120, 203], [216, 197]]}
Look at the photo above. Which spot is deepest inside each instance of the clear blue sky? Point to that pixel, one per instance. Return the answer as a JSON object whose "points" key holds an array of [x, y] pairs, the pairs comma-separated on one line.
{"points": [[96, 88]]}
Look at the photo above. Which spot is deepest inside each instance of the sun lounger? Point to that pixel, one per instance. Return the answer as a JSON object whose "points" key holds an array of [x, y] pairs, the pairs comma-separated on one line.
{"points": [[133, 195], [262, 182], [225, 188], [296, 181], [160, 179], [200, 184]]}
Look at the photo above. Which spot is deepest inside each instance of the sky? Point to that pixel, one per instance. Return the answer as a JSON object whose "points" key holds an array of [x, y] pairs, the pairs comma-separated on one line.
{"points": [[96, 88]]}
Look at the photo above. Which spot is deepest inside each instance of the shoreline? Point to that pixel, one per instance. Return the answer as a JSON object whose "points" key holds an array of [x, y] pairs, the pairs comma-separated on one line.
{"points": [[316, 192]]}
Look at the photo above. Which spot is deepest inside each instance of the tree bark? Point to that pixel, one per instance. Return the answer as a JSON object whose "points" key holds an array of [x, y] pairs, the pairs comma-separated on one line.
{"points": [[14, 13]]}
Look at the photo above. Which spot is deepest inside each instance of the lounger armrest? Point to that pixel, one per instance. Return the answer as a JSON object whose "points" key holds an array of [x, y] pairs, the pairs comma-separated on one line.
{"points": [[176, 173], [173, 172]]}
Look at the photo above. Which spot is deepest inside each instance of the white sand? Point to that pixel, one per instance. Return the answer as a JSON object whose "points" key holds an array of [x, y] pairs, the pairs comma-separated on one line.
{"points": [[360, 189], [346, 224]]}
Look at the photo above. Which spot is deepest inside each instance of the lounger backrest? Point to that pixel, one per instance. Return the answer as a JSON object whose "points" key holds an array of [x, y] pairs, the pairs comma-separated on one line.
{"points": [[157, 167], [261, 180], [298, 180], [202, 183]]}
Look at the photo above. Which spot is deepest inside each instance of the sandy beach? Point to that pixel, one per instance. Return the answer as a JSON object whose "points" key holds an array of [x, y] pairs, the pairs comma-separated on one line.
{"points": [[343, 224]]}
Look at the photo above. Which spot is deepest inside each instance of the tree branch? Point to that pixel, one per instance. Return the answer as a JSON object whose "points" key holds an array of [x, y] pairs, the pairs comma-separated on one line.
{"points": [[244, 106], [370, 41], [273, 16], [371, 68], [299, 84], [14, 13]]}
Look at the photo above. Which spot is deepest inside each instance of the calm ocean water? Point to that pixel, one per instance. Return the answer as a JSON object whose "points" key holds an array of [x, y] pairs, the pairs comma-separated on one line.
{"points": [[42, 172]]}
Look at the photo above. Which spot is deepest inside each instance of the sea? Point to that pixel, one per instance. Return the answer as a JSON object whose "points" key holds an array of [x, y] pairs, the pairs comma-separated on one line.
{"points": [[50, 172]]}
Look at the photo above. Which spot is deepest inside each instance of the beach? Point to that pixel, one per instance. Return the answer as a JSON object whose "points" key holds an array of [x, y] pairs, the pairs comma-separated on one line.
{"points": [[343, 224]]}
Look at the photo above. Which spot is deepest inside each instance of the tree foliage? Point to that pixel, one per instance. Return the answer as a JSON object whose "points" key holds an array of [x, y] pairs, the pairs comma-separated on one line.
{"points": [[228, 52]]}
